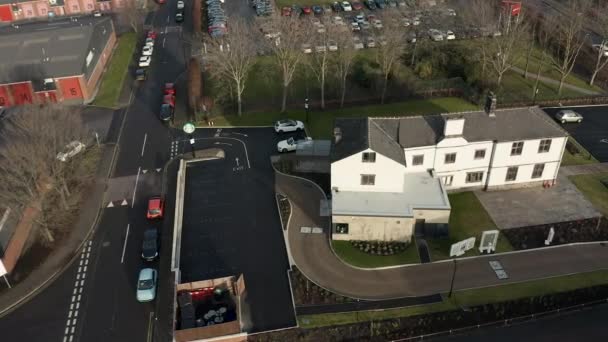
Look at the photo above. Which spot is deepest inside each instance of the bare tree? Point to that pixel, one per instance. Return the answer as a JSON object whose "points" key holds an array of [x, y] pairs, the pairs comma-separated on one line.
{"points": [[233, 56], [132, 14], [501, 51], [342, 60], [195, 84], [601, 26], [324, 44], [285, 36], [390, 47], [483, 15], [543, 37], [568, 37]]}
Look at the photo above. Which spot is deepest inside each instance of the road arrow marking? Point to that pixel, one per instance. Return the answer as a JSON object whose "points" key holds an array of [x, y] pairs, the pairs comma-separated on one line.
{"points": [[237, 161], [144, 171], [243, 134], [110, 205], [158, 170], [124, 202]]}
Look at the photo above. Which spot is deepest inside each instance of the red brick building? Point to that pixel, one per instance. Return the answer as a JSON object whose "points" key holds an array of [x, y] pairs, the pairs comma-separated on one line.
{"points": [[60, 60], [13, 10]]}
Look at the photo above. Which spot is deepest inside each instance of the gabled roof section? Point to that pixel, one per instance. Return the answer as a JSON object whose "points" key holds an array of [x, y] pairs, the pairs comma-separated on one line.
{"points": [[384, 143]]}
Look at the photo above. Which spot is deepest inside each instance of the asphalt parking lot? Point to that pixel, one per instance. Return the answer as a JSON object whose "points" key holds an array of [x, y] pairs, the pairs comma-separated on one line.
{"points": [[231, 224], [592, 133]]}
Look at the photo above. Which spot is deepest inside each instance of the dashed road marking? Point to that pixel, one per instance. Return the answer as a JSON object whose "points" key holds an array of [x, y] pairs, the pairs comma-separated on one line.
{"points": [[81, 274]]}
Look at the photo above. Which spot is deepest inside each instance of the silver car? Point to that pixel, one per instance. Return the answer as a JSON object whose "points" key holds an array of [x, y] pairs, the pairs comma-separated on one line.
{"points": [[568, 115], [146, 285]]}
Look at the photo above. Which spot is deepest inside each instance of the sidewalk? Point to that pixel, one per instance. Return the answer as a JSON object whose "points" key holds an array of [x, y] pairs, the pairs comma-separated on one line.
{"points": [[573, 170], [62, 257], [556, 83]]}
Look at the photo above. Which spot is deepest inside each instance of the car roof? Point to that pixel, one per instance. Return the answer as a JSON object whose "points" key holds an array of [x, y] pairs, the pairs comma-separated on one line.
{"points": [[154, 201], [146, 273]]}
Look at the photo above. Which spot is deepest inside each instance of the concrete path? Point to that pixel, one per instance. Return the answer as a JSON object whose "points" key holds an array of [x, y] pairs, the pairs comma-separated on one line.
{"points": [[556, 82], [314, 257], [573, 170]]}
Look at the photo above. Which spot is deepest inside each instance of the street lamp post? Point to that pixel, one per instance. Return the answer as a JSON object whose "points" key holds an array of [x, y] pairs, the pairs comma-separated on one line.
{"points": [[452, 282], [306, 108], [189, 128], [534, 98]]}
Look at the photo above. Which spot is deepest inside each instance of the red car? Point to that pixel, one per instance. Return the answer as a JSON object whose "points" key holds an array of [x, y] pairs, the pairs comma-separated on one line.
{"points": [[169, 99], [306, 10], [286, 11], [161, 1], [357, 6], [169, 89], [156, 208], [152, 34]]}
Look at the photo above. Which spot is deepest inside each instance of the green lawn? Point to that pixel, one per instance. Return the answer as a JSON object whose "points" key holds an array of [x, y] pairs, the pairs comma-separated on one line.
{"points": [[584, 157], [516, 88], [548, 71], [466, 299], [115, 74], [468, 218], [289, 3], [321, 123], [351, 255], [595, 191]]}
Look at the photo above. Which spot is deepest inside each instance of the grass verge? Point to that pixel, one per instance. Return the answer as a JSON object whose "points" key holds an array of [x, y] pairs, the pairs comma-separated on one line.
{"points": [[591, 186], [320, 123], [351, 255], [516, 88], [114, 77], [581, 158], [468, 218], [466, 299]]}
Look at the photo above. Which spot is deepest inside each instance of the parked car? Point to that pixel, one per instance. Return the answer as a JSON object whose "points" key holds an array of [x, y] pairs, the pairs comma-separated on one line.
{"points": [[332, 45], [370, 4], [435, 35], [602, 47], [451, 12], [169, 89], [337, 20], [166, 112], [371, 42], [290, 144], [357, 6], [320, 48], [392, 3], [147, 50], [416, 21], [355, 27], [70, 150], [179, 16], [316, 9], [336, 7], [144, 61], [568, 115], [365, 25], [286, 11], [377, 23], [140, 75], [381, 4], [156, 208], [306, 10], [306, 48], [169, 99], [288, 125], [449, 35], [358, 45], [149, 246], [146, 285], [152, 34], [180, 5], [346, 7], [149, 42]]}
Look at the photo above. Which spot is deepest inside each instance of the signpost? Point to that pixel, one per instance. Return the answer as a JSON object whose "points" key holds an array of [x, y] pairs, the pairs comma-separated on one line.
{"points": [[489, 238], [189, 128], [550, 237]]}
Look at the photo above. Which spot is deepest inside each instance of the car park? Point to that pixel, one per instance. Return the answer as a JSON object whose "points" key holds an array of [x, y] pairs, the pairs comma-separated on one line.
{"points": [[355, 27], [70, 150], [147, 50], [149, 246], [337, 20], [146, 285], [290, 144], [216, 18], [179, 17], [144, 61], [156, 208], [140, 75], [327, 8], [360, 17], [180, 4], [357, 44], [263, 7], [346, 7], [449, 35], [288, 125], [568, 115], [370, 4], [320, 48], [365, 25], [435, 35]]}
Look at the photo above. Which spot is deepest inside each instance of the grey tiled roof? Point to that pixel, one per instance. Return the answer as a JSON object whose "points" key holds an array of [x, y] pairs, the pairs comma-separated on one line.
{"points": [[59, 48], [389, 136]]}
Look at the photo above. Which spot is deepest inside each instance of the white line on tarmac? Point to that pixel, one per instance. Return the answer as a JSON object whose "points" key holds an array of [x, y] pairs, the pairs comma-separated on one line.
{"points": [[164, 38], [135, 187], [124, 246], [143, 146], [150, 327]]}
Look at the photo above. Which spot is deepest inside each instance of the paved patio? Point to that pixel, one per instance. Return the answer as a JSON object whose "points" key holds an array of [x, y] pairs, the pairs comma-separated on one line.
{"points": [[534, 206]]}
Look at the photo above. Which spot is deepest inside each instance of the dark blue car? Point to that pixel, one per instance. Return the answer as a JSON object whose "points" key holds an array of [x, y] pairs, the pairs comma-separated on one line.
{"points": [[316, 9]]}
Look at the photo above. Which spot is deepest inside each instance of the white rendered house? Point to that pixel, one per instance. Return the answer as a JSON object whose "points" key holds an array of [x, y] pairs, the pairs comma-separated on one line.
{"points": [[389, 174]]}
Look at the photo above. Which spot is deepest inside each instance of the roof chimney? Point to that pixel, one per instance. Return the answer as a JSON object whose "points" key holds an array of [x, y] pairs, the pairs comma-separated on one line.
{"points": [[337, 135], [491, 104], [453, 126]]}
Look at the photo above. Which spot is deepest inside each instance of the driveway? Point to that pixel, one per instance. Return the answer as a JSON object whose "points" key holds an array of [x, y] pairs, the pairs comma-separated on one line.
{"points": [[313, 256], [536, 206], [231, 224], [592, 133]]}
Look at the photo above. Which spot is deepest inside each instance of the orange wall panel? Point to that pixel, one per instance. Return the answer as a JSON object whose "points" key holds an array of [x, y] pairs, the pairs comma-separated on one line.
{"points": [[70, 88]]}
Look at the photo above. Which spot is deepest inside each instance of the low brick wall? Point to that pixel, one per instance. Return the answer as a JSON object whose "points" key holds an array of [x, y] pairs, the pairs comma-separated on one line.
{"points": [[586, 230]]}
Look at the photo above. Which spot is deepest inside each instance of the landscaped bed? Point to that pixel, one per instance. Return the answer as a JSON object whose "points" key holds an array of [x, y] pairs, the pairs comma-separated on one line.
{"points": [[468, 219], [284, 209], [371, 254], [575, 154], [306, 292]]}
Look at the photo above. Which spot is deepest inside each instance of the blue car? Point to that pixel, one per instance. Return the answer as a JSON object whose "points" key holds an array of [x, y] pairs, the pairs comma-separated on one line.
{"points": [[316, 9]]}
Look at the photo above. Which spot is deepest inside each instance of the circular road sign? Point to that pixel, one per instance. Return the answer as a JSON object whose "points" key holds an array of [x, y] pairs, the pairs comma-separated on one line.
{"points": [[189, 128]]}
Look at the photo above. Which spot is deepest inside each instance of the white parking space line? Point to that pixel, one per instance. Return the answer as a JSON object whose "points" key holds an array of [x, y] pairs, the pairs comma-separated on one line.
{"points": [[143, 146], [135, 187], [164, 39], [124, 246]]}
